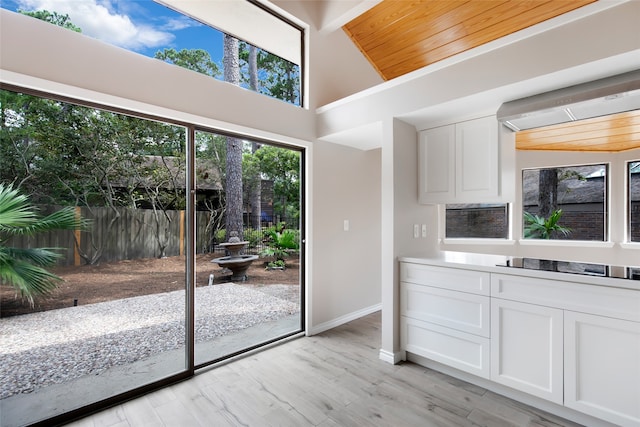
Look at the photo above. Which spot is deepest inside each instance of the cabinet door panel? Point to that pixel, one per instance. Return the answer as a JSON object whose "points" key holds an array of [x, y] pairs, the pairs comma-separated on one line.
{"points": [[467, 352], [436, 157], [602, 367], [526, 348], [477, 159]]}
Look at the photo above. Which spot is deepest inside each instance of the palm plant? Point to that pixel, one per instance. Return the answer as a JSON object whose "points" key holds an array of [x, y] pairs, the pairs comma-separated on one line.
{"points": [[537, 227], [25, 269]]}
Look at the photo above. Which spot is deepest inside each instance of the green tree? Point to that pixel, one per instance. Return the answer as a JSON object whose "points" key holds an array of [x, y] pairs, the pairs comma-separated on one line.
{"points": [[282, 166], [276, 76], [25, 269], [53, 18], [197, 60]]}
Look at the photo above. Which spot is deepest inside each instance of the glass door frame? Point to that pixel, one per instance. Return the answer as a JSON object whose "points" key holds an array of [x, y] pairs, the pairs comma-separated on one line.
{"points": [[191, 251]]}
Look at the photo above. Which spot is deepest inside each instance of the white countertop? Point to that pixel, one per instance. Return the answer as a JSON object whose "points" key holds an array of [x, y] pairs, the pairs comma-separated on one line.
{"points": [[497, 264]]}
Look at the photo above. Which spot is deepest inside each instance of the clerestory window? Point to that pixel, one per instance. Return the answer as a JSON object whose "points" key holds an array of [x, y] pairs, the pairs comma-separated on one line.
{"points": [[192, 35]]}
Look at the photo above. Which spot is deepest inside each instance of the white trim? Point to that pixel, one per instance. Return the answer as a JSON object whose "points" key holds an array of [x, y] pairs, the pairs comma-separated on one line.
{"points": [[392, 358], [630, 245], [470, 241], [567, 243], [343, 319]]}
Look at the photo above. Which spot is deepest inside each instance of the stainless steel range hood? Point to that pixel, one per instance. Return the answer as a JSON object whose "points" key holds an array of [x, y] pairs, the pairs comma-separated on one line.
{"points": [[602, 97]]}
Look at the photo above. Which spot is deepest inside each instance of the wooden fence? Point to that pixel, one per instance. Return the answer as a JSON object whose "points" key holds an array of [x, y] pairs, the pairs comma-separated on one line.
{"points": [[121, 233]]}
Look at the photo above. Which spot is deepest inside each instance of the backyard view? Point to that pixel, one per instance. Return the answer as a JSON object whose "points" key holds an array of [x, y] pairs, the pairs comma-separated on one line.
{"points": [[98, 304]]}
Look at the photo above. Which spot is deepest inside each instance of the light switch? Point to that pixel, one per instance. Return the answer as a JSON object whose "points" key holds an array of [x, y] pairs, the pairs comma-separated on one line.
{"points": [[346, 225], [416, 231], [424, 230]]}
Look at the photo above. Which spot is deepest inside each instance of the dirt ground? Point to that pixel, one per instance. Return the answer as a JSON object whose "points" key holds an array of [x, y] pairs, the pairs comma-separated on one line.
{"points": [[90, 284]]}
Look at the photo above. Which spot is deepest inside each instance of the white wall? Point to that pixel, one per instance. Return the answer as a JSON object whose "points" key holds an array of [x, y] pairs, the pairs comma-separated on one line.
{"points": [[337, 67], [345, 265], [400, 211]]}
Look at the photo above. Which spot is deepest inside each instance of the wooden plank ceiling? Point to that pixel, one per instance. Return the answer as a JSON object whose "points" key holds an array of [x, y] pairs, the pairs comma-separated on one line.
{"points": [[617, 132], [400, 36]]}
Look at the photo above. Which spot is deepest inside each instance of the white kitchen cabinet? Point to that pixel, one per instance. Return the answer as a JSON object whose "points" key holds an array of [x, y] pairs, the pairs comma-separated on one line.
{"points": [[602, 367], [477, 159], [569, 340], [437, 163], [526, 348], [459, 163], [445, 316]]}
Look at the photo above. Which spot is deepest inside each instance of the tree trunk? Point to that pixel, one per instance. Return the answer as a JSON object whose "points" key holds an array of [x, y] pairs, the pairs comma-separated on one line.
{"points": [[233, 182], [255, 196], [548, 192]]}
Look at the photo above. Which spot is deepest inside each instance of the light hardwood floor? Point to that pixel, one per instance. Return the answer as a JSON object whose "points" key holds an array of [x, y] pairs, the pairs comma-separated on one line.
{"points": [[331, 379]]}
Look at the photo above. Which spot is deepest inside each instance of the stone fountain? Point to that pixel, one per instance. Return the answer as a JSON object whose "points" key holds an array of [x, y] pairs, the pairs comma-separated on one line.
{"points": [[234, 261]]}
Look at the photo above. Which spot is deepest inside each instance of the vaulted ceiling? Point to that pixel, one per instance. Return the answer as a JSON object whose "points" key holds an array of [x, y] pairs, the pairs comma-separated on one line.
{"points": [[398, 36]]}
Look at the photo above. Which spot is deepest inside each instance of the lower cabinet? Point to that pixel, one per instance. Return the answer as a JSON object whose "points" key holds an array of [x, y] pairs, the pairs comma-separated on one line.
{"points": [[526, 348], [570, 343], [602, 367], [448, 326]]}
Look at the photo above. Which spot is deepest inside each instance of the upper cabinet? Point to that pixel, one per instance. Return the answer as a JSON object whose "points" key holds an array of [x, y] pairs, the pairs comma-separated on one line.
{"points": [[460, 163]]}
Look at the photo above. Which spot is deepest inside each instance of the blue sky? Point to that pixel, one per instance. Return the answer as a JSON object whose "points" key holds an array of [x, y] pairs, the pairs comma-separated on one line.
{"points": [[141, 26]]}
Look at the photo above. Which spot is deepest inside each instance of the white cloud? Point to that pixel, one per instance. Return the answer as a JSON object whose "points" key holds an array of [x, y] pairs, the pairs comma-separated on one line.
{"points": [[97, 19], [175, 24]]}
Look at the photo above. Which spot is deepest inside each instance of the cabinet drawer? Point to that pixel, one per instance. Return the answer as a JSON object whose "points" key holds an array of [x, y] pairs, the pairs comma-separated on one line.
{"points": [[602, 300], [475, 282], [467, 352], [458, 310]]}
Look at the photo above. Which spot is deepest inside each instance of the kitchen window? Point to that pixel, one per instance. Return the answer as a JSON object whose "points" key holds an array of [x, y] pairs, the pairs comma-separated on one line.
{"points": [[477, 221], [565, 203]]}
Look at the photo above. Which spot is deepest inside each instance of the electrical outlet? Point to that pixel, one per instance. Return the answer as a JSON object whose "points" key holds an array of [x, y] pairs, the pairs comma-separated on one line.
{"points": [[416, 231], [424, 230]]}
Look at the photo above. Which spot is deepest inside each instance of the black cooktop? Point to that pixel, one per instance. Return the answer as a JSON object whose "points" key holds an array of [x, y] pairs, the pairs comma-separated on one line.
{"points": [[583, 268]]}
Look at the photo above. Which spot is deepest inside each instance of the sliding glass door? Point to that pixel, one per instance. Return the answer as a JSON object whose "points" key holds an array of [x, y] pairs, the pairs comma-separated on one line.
{"points": [[169, 248], [248, 233], [108, 316]]}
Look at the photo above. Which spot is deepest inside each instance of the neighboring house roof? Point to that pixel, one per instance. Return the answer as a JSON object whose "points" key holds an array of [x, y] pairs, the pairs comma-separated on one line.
{"points": [[573, 190]]}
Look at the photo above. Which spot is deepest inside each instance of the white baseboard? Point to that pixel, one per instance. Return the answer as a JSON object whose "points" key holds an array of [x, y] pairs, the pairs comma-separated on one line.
{"points": [[343, 319], [392, 358]]}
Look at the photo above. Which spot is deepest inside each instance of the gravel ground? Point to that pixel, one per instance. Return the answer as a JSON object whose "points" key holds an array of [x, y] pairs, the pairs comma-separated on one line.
{"points": [[58, 345]]}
